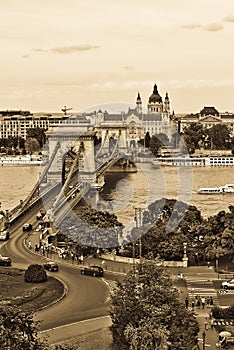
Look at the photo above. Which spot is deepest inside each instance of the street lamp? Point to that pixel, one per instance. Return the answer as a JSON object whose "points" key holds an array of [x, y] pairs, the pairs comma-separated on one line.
{"points": [[203, 340], [138, 219]]}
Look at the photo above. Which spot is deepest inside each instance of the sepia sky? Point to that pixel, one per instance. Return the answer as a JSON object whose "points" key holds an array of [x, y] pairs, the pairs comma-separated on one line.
{"points": [[83, 53]]}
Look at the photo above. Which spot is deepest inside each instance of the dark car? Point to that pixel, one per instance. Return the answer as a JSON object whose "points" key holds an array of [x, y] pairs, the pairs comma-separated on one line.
{"points": [[5, 261], [92, 271], [51, 266], [27, 227]]}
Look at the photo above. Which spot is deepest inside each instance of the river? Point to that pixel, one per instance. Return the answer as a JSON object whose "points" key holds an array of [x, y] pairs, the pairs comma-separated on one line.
{"points": [[129, 190]]}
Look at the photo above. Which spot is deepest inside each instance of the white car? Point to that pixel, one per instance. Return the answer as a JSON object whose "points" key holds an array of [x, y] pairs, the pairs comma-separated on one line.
{"points": [[228, 284]]}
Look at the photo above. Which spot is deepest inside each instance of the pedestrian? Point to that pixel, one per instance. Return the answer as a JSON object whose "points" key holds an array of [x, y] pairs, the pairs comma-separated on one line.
{"points": [[211, 301], [203, 300], [193, 305], [198, 303], [186, 302]]}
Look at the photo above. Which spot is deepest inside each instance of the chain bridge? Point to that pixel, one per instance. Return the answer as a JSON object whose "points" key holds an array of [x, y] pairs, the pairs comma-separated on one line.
{"points": [[75, 164]]}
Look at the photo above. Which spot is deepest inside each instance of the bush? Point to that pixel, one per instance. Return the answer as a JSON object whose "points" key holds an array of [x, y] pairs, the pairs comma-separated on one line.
{"points": [[35, 274], [227, 313]]}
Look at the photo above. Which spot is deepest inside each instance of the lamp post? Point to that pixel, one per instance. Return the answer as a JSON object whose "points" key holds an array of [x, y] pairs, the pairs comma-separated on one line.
{"points": [[138, 219], [203, 340]]}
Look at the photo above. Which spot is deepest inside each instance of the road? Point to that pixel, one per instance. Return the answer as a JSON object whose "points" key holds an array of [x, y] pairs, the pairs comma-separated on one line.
{"points": [[87, 297]]}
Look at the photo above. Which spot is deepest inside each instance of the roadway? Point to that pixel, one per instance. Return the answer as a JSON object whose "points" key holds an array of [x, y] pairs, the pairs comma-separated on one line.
{"points": [[86, 298]]}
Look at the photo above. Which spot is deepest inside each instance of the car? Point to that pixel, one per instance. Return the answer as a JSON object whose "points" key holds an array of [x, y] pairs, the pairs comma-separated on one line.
{"points": [[40, 215], [4, 235], [51, 266], [92, 271], [27, 227], [5, 261], [228, 284]]}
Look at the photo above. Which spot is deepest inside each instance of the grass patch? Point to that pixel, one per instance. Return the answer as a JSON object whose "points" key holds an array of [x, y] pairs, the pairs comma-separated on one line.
{"points": [[96, 340], [28, 296]]}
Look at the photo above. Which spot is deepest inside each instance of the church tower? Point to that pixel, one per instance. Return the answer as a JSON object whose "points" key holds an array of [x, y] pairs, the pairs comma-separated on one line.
{"points": [[138, 103], [155, 104], [167, 104]]}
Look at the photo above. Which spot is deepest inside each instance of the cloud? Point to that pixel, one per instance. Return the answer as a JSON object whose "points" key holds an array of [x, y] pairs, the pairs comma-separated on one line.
{"points": [[229, 18], [191, 26], [128, 67], [68, 49], [25, 56], [213, 27]]}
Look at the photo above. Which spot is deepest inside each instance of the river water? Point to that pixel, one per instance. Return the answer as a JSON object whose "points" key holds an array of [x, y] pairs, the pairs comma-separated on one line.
{"points": [[129, 190]]}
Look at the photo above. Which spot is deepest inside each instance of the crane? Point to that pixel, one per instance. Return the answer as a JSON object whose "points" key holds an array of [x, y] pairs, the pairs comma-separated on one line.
{"points": [[65, 109]]}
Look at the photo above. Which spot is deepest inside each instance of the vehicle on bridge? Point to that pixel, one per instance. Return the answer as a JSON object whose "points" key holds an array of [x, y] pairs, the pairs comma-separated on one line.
{"points": [[4, 235], [40, 215], [5, 261], [27, 227], [92, 271], [228, 284], [51, 266]]}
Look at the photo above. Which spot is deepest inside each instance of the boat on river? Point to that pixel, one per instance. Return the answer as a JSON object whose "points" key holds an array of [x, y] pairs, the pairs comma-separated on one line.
{"points": [[20, 160], [229, 188]]}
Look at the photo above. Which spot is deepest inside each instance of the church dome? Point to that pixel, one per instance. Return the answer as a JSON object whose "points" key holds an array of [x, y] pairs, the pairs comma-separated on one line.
{"points": [[155, 97]]}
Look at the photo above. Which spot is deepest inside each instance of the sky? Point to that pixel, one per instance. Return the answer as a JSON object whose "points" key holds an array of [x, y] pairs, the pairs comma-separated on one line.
{"points": [[84, 54]]}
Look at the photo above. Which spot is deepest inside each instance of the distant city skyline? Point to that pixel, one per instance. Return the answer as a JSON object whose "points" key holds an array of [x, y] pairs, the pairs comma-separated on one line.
{"points": [[84, 54]]}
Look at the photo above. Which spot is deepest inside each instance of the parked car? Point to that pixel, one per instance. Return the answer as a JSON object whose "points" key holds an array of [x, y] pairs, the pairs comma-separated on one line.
{"points": [[92, 271], [27, 227], [228, 284], [5, 261], [51, 266], [4, 235]]}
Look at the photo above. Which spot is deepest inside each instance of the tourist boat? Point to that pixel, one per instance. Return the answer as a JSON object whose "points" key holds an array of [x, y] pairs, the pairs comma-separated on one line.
{"points": [[20, 160], [229, 188]]}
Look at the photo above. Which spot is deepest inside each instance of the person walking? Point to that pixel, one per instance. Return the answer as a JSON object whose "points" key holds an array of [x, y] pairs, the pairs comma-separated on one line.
{"points": [[203, 300], [186, 302], [211, 301]]}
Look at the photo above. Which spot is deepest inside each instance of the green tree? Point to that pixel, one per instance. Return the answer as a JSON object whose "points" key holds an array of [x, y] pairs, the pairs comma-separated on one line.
{"points": [[32, 145], [145, 310]]}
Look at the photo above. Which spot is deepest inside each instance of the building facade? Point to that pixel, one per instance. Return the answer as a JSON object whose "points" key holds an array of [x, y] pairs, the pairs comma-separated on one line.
{"points": [[158, 118], [208, 117]]}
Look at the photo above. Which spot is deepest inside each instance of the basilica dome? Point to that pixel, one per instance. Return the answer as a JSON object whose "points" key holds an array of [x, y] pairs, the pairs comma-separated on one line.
{"points": [[155, 97]]}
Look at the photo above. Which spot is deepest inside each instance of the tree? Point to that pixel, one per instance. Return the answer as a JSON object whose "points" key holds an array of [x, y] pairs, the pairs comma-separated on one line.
{"points": [[32, 145], [220, 136], [35, 274], [147, 139], [146, 312], [38, 134], [18, 331], [155, 145], [193, 135]]}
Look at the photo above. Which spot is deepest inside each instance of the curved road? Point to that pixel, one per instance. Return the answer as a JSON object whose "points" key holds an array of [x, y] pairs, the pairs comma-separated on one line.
{"points": [[86, 296]]}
